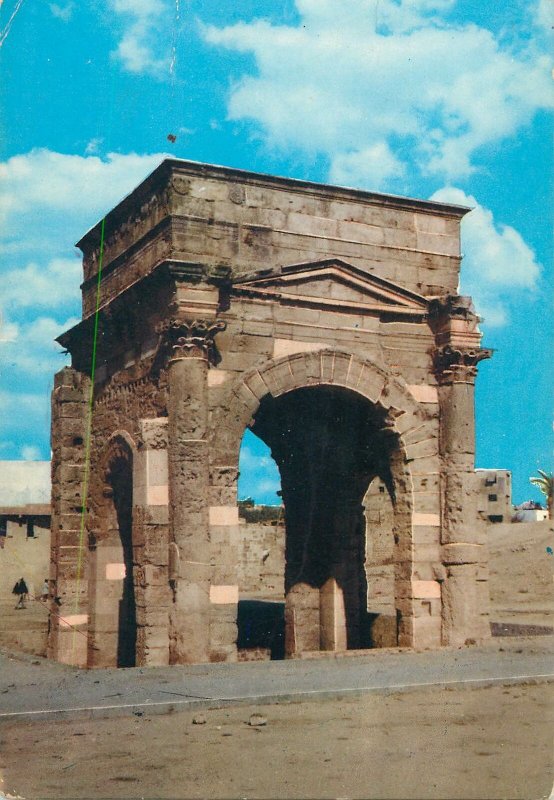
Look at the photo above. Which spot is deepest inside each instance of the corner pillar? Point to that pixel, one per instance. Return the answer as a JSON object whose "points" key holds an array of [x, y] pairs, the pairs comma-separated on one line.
{"points": [[69, 620], [190, 345], [463, 551]]}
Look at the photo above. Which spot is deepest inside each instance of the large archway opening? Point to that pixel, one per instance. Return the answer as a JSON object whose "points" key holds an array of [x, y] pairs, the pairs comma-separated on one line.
{"points": [[329, 443], [120, 479], [260, 617], [113, 630]]}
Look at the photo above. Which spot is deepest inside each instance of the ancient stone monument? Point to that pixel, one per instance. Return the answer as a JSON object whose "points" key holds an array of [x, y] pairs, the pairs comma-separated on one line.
{"points": [[327, 320]]}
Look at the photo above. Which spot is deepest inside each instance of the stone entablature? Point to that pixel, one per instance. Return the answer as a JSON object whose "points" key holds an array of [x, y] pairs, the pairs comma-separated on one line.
{"points": [[323, 318], [221, 216]]}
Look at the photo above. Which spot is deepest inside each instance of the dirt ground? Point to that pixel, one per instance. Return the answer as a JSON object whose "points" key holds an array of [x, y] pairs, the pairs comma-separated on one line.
{"points": [[521, 573], [494, 742], [521, 585]]}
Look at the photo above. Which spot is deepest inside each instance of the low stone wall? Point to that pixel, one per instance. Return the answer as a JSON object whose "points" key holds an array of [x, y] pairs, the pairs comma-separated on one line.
{"points": [[23, 556], [262, 559]]}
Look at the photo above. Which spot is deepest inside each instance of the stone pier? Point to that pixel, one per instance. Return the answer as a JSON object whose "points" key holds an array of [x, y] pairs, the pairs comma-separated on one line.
{"points": [[326, 321]]}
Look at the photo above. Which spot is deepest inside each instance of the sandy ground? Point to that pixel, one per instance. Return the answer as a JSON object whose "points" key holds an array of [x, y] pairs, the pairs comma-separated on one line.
{"points": [[24, 630], [521, 573], [521, 584], [495, 742], [489, 743]]}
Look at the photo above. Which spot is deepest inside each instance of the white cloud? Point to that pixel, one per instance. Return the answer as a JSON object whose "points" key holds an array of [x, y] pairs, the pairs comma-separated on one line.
{"points": [[30, 453], [44, 179], [372, 166], [250, 461], [25, 482], [63, 13], [544, 14], [144, 37], [48, 201], [386, 76], [33, 351], [93, 146], [49, 286], [497, 264]]}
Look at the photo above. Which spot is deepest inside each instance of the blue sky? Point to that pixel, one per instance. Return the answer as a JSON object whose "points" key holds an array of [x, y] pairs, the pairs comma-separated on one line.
{"points": [[429, 98]]}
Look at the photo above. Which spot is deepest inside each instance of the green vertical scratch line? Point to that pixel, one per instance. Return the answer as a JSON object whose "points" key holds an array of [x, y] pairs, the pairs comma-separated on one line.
{"points": [[89, 430]]}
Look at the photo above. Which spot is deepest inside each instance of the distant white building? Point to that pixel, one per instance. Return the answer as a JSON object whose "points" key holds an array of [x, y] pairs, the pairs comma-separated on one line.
{"points": [[24, 483], [494, 501], [530, 511], [24, 525]]}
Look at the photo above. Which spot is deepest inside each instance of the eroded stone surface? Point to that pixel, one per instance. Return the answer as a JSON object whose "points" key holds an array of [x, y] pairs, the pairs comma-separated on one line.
{"points": [[326, 320]]}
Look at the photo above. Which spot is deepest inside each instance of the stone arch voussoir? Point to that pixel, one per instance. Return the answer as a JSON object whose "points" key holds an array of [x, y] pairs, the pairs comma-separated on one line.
{"points": [[325, 367]]}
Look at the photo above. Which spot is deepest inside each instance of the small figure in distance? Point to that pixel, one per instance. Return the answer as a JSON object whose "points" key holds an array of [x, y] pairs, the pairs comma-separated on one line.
{"points": [[45, 591], [20, 589]]}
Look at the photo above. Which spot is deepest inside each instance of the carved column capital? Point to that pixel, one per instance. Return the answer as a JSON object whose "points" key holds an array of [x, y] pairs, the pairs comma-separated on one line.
{"points": [[458, 364], [458, 339], [190, 339]]}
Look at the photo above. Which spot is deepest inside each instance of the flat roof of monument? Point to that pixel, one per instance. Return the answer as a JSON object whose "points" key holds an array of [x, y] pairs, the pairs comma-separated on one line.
{"points": [[197, 168]]}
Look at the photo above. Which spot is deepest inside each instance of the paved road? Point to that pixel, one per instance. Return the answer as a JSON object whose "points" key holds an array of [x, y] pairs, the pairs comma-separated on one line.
{"points": [[32, 688]]}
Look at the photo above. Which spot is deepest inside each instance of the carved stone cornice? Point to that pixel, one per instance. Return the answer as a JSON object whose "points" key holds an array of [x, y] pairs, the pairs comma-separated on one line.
{"points": [[458, 364], [454, 322], [457, 338], [190, 339]]}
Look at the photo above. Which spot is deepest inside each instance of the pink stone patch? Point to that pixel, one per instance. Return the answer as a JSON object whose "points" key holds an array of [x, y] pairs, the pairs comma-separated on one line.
{"points": [[73, 620], [158, 495], [426, 589], [224, 515], [286, 347], [423, 393], [224, 595], [115, 572], [433, 520]]}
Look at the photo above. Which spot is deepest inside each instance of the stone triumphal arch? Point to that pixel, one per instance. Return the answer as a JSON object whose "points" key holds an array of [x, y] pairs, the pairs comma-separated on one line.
{"points": [[328, 321]]}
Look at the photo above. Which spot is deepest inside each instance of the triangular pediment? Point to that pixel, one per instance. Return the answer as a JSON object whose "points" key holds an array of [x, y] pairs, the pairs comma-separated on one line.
{"points": [[333, 284]]}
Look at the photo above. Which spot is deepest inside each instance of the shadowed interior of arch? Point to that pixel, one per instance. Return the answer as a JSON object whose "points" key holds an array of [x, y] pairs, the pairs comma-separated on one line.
{"points": [[120, 482], [329, 444]]}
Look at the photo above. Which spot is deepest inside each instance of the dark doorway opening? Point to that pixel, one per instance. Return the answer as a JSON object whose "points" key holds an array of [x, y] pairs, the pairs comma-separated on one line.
{"points": [[329, 444], [261, 624], [121, 481]]}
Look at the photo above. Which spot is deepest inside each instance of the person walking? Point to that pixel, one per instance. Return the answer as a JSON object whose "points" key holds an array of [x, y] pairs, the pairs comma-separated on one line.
{"points": [[21, 591], [45, 591]]}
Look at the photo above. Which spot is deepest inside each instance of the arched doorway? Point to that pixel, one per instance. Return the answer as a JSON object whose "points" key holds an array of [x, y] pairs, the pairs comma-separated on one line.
{"points": [[329, 443], [120, 478], [114, 623], [261, 557]]}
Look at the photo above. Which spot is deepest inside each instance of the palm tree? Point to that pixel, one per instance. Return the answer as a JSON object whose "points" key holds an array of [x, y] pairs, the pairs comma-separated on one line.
{"points": [[545, 482]]}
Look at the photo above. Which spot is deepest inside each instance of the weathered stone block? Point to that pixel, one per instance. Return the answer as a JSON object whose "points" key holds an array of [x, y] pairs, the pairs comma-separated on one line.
{"points": [[352, 313]]}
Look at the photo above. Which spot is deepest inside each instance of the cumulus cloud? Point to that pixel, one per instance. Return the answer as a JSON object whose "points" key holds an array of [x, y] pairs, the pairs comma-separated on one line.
{"points": [[143, 45], [374, 165], [50, 181], [384, 77], [55, 283], [48, 200], [33, 352], [544, 14], [497, 264], [63, 13], [30, 452]]}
